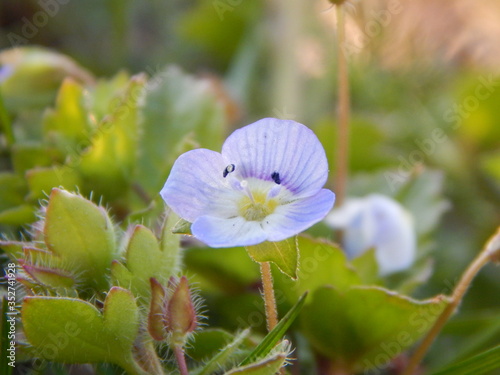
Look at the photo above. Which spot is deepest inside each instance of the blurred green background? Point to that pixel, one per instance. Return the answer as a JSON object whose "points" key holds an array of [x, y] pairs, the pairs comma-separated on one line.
{"points": [[425, 94]]}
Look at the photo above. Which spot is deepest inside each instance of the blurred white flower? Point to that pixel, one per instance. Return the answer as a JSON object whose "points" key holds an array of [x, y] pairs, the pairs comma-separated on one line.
{"points": [[378, 222]]}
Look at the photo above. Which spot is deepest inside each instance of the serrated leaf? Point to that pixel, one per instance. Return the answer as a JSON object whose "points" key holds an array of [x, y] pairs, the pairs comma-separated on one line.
{"points": [[284, 254], [366, 326], [81, 334], [272, 338], [82, 235], [482, 363]]}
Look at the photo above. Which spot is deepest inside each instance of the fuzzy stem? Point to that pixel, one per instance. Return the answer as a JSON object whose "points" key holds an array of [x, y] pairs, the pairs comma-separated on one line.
{"points": [[458, 293], [342, 148], [269, 299], [181, 360]]}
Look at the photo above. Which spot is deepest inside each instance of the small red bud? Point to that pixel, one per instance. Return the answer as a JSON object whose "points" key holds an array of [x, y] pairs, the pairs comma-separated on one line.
{"points": [[156, 311], [180, 319]]}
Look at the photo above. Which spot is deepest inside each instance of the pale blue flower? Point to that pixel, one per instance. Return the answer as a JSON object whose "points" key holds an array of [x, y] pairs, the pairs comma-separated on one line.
{"points": [[265, 185], [378, 222]]}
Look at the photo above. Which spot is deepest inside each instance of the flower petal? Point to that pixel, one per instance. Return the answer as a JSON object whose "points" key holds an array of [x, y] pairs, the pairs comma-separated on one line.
{"points": [[194, 182], [395, 237], [219, 232], [288, 148], [291, 219]]}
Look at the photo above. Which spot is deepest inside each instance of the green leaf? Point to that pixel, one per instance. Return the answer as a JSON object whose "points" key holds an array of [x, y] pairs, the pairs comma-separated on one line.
{"points": [[268, 366], [225, 356], [81, 334], [284, 254], [482, 363], [82, 234], [272, 338], [13, 248], [68, 126], [170, 123], [51, 277], [108, 164], [146, 257], [105, 93], [366, 326], [19, 215], [367, 267], [321, 263]]}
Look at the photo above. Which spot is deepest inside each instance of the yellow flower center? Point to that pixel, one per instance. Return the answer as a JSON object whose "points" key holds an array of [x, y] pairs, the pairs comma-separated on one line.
{"points": [[258, 208]]}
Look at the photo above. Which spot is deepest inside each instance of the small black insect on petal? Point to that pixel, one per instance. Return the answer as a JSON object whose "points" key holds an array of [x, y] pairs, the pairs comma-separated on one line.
{"points": [[230, 168], [276, 177]]}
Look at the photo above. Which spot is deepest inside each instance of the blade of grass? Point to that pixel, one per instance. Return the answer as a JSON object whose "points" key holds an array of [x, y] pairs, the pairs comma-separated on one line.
{"points": [[482, 363], [276, 334]]}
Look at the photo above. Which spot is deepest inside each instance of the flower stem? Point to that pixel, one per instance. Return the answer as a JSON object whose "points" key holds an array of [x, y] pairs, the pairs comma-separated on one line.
{"points": [[342, 148], [488, 253], [269, 299], [181, 360]]}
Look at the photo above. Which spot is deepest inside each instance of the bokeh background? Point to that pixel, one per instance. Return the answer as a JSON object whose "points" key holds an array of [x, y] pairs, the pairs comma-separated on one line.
{"points": [[425, 94]]}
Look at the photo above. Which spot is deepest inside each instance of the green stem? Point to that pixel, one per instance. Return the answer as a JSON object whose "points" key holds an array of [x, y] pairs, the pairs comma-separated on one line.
{"points": [[268, 293], [181, 360], [488, 253], [342, 148]]}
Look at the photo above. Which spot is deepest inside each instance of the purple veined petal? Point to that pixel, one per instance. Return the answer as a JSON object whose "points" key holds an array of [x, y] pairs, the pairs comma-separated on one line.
{"points": [[279, 146], [220, 232], [293, 218], [195, 181]]}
